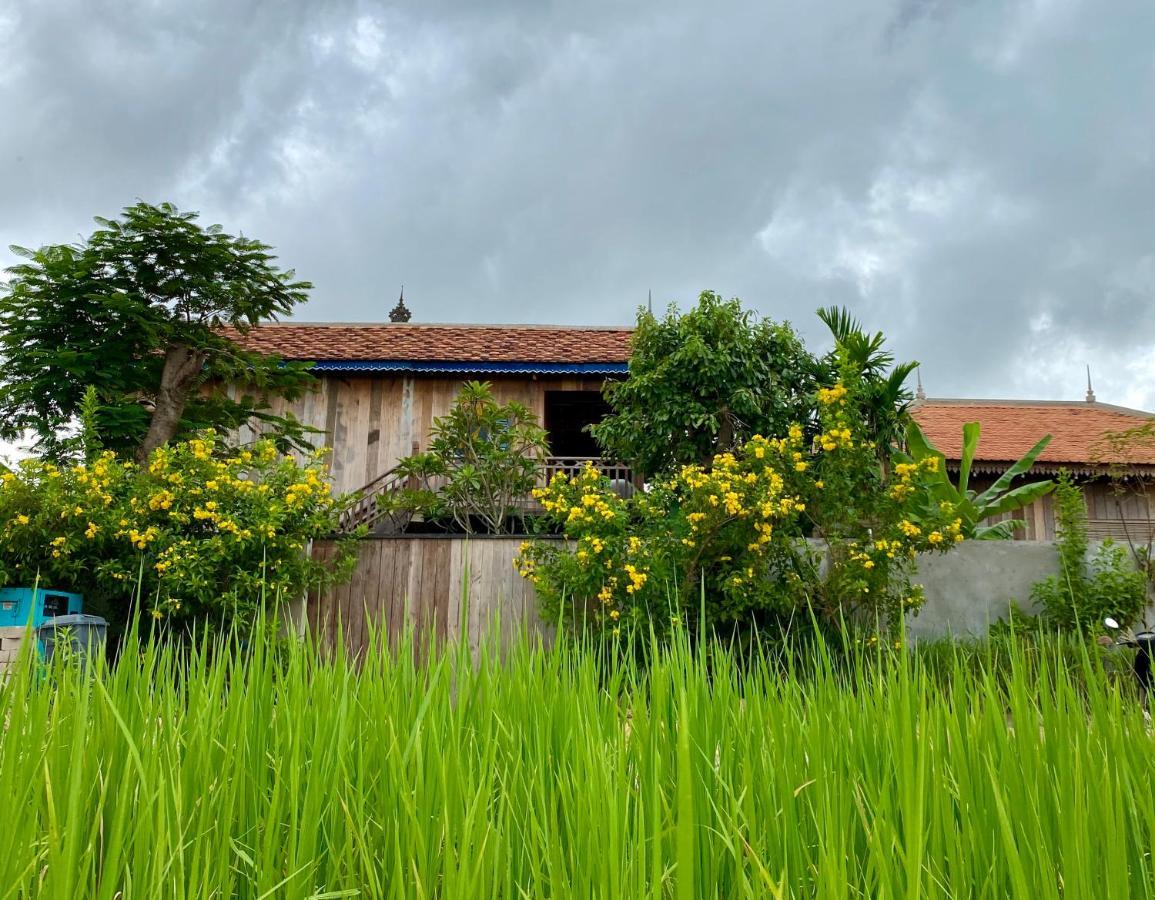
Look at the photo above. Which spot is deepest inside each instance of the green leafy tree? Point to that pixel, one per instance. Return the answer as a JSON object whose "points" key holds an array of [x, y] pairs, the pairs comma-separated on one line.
{"points": [[704, 383], [483, 458], [977, 507], [141, 311]]}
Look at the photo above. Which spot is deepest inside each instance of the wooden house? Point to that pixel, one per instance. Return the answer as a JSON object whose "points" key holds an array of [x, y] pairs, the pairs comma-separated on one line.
{"points": [[1117, 484], [382, 385]]}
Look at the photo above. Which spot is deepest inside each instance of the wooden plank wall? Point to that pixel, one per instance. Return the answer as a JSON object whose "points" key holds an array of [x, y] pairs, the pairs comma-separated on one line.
{"points": [[446, 589], [1106, 507], [371, 422]]}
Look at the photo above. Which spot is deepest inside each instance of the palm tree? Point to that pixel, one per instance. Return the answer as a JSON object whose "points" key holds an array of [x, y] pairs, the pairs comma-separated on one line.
{"points": [[885, 400]]}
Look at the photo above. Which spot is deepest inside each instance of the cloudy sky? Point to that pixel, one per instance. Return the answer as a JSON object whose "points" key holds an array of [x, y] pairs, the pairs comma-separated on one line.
{"points": [[975, 178]]}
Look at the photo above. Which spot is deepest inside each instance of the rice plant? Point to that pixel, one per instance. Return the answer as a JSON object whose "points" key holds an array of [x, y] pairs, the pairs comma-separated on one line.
{"points": [[264, 771]]}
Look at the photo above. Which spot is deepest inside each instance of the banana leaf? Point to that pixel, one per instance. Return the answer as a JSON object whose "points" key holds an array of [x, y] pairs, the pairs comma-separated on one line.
{"points": [[1023, 465], [1018, 498], [971, 432], [999, 531]]}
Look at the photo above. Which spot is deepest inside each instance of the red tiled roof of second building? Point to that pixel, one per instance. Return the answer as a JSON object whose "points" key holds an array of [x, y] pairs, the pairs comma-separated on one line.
{"points": [[440, 343], [1010, 428]]}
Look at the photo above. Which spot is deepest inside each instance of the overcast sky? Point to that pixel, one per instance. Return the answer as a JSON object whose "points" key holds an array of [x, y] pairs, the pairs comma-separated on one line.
{"points": [[976, 179]]}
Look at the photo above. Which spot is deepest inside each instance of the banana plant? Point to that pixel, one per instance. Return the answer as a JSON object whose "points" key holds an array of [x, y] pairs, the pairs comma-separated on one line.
{"points": [[973, 507]]}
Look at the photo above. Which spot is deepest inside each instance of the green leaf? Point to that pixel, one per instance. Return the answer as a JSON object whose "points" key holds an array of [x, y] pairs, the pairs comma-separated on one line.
{"points": [[971, 432], [1005, 480]]}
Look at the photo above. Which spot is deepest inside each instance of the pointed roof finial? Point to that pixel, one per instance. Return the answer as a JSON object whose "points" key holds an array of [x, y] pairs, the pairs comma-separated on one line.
{"points": [[919, 394], [650, 301], [1090, 390], [400, 312]]}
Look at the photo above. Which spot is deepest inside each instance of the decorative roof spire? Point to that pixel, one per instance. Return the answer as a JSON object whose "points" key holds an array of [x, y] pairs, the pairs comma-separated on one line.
{"points": [[400, 312], [1090, 390], [919, 394], [650, 302]]}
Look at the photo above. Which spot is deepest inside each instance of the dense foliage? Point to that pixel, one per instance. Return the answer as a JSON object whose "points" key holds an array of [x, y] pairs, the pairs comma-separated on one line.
{"points": [[1088, 590], [703, 383], [975, 507], [730, 537], [483, 458], [136, 311], [297, 774], [199, 532]]}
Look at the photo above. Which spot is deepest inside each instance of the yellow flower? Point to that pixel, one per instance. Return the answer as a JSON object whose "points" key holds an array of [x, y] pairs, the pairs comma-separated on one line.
{"points": [[826, 396], [800, 467], [90, 532], [935, 537], [22, 519]]}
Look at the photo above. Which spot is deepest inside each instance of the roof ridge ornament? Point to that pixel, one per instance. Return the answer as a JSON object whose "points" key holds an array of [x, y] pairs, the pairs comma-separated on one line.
{"points": [[400, 312], [1090, 390], [919, 394]]}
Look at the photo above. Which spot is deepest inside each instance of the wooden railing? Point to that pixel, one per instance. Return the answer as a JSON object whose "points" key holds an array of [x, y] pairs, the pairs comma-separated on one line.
{"points": [[373, 509], [621, 478]]}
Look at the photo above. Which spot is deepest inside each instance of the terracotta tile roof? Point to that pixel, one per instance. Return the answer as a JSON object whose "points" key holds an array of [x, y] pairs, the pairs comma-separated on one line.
{"points": [[1011, 427], [350, 342]]}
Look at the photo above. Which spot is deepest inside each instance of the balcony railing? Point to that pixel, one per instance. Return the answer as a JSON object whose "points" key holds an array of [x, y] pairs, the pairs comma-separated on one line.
{"points": [[620, 477], [373, 509]]}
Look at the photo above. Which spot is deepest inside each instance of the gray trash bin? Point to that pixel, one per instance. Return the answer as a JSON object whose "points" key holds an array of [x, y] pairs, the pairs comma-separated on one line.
{"points": [[84, 635]]}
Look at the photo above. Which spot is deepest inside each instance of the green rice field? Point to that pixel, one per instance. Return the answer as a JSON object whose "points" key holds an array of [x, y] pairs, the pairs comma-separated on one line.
{"points": [[282, 772]]}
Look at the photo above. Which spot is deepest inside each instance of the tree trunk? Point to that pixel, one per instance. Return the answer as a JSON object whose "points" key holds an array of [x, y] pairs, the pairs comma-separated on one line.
{"points": [[182, 368], [725, 440]]}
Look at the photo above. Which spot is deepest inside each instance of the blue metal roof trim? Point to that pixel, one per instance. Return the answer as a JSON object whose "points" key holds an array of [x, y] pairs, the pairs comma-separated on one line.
{"points": [[487, 368]]}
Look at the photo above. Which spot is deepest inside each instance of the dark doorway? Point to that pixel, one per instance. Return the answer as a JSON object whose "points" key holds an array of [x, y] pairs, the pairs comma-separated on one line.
{"points": [[567, 413]]}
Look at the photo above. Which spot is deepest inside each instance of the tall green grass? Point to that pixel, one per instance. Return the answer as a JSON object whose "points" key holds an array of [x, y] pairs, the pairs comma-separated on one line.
{"points": [[266, 772]]}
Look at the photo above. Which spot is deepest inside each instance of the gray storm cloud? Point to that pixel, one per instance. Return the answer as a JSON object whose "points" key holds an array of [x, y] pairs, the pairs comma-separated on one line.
{"points": [[976, 179]]}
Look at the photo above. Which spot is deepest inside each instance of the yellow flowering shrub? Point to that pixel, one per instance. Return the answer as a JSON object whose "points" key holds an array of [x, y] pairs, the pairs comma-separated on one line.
{"points": [[200, 531], [729, 540]]}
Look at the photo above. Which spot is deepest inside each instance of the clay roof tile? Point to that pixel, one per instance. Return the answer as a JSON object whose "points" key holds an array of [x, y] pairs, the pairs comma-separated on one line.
{"points": [[1011, 427], [320, 342]]}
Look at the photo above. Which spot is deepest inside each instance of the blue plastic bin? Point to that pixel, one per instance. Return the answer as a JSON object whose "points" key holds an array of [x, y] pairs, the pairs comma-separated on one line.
{"points": [[22, 606]]}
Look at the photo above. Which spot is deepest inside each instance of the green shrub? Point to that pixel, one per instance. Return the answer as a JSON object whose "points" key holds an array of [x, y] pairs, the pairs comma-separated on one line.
{"points": [[728, 541], [1084, 593], [200, 532]]}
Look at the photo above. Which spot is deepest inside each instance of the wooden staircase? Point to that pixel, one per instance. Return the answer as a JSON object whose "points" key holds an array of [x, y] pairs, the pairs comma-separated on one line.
{"points": [[372, 508]]}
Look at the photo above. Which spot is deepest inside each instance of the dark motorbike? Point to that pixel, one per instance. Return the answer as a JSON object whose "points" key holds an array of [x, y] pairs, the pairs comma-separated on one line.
{"points": [[1144, 643]]}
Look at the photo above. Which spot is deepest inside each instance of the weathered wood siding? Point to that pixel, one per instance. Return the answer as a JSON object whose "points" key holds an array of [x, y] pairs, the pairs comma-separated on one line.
{"points": [[446, 589], [1110, 512], [372, 421]]}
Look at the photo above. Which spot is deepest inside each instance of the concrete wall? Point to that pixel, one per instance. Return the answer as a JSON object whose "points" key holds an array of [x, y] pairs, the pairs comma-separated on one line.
{"points": [[974, 585]]}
